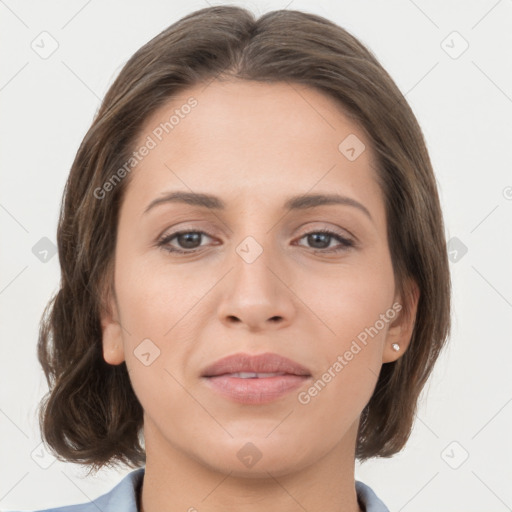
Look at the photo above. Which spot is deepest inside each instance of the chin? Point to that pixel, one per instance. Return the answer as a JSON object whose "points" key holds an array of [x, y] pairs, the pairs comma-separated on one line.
{"points": [[257, 456]]}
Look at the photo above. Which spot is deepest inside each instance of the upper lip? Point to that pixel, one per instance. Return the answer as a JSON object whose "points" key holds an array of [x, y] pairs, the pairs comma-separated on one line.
{"points": [[260, 363]]}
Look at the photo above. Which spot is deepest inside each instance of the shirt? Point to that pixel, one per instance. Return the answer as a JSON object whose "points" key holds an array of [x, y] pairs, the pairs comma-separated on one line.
{"points": [[123, 498]]}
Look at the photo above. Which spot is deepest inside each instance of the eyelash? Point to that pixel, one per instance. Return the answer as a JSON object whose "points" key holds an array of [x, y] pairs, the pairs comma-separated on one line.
{"points": [[164, 241]]}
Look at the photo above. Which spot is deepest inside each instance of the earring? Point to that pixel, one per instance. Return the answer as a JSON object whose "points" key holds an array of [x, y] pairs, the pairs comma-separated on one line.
{"points": [[396, 347]]}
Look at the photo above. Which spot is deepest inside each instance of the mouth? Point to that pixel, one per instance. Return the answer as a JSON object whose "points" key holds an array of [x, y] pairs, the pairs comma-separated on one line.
{"points": [[253, 375], [257, 379], [248, 366]]}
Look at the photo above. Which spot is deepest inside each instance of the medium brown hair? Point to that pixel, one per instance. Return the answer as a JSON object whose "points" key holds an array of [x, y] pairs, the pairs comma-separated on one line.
{"points": [[91, 414]]}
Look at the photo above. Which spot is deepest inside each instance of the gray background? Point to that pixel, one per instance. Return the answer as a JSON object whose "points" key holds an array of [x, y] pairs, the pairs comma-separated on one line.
{"points": [[458, 457]]}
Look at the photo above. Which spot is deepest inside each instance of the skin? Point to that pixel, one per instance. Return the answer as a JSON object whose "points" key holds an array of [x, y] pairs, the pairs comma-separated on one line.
{"points": [[253, 145]]}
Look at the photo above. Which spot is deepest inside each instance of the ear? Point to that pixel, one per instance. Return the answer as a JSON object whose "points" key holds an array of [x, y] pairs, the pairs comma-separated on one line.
{"points": [[400, 330], [112, 340]]}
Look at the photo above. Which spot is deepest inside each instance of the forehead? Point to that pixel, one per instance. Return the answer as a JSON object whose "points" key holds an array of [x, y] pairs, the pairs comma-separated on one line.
{"points": [[247, 140]]}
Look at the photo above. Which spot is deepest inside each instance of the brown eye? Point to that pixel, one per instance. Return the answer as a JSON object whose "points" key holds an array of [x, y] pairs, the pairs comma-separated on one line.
{"points": [[188, 241], [320, 240]]}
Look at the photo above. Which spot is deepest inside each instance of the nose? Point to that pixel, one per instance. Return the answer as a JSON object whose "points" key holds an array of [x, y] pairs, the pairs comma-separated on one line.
{"points": [[256, 294]]}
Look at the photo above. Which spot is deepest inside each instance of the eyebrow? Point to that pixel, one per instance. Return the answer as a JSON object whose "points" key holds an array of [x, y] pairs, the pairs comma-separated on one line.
{"points": [[301, 202]]}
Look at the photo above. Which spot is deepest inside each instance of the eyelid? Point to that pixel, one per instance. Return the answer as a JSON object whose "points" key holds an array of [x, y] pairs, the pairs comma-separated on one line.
{"points": [[342, 232], [166, 237], [185, 227], [344, 244]]}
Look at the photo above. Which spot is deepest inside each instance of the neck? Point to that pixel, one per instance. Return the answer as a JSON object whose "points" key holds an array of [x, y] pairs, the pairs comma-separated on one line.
{"points": [[175, 481]]}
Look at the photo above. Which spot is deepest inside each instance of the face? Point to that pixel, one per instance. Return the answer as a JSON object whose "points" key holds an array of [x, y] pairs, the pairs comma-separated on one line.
{"points": [[258, 269]]}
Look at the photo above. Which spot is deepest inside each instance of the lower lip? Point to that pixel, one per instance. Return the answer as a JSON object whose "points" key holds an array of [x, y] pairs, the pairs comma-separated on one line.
{"points": [[255, 391]]}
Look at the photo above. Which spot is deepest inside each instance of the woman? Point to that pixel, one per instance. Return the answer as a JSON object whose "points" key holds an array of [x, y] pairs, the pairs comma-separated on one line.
{"points": [[255, 284]]}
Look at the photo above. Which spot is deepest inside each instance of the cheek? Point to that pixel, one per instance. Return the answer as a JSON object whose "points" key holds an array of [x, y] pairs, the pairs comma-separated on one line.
{"points": [[157, 313], [354, 311], [154, 298], [359, 313], [350, 298], [335, 399]]}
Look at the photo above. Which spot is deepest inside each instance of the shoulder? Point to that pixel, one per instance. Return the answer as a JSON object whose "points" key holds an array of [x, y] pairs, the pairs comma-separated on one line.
{"points": [[122, 497], [368, 500]]}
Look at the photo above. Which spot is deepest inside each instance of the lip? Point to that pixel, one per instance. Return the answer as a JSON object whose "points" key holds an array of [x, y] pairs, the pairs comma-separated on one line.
{"points": [[219, 378], [259, 363]]}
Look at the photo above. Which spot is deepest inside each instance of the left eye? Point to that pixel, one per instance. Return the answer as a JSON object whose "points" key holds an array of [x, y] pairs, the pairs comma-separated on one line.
{"points": [[188, 241], [320, 237]]}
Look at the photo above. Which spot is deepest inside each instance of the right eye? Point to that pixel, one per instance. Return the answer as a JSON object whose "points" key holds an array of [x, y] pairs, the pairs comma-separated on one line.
{"points": [[190, 241], [187, 239]]}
